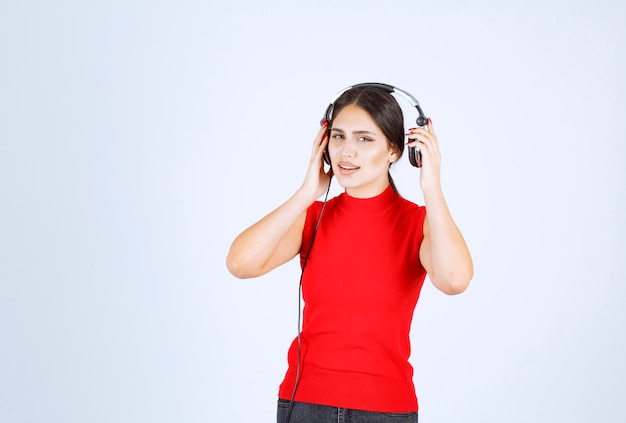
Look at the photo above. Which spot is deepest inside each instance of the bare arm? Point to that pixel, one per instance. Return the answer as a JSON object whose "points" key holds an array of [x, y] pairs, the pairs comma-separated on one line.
{"points": [[270, 242], [276, 238], [443, 253]]}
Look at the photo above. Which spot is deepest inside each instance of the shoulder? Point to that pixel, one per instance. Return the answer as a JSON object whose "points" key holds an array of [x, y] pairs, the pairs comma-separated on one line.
{"points": [[409, 206], [410, 216], [317, 206]]}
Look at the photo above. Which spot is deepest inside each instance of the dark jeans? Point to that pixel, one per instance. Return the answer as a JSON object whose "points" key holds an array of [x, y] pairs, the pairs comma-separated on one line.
{"points": [[311, 413]]}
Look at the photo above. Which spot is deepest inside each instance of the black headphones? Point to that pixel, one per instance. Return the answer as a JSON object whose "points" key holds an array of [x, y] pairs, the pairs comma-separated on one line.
{"points": [[415, 156]]}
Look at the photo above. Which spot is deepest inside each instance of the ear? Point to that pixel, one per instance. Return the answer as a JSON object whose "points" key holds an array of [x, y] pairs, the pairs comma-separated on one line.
{"points": [[394, 155]]}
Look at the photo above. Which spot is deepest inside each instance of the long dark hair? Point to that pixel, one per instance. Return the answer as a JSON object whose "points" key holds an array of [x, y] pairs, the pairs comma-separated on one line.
{"points": [[383, 109]]}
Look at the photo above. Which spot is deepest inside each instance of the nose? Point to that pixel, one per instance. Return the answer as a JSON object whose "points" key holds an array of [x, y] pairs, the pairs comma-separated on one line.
{"points": [[349, 148]]}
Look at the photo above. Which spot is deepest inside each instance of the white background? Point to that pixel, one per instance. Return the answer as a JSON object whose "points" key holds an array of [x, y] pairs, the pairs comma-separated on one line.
{"points": [[137, 139]]}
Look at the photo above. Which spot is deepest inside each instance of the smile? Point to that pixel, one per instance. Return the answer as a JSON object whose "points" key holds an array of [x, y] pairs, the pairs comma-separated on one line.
{"points": [[347, 168]]}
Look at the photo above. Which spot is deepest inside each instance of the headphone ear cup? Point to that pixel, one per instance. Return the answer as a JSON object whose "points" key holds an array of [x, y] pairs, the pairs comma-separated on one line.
{"points": [[415, 156], [327, 156], [326, 152]]}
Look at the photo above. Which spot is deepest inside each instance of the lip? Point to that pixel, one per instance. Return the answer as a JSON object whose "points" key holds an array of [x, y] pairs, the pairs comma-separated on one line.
{"points": [[346, 168]]}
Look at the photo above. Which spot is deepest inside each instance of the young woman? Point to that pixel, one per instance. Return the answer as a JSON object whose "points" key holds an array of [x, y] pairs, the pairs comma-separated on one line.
{"points": [[363, 273]]}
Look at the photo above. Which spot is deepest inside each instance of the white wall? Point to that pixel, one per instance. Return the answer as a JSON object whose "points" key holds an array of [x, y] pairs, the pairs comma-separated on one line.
{"points": [[137, 139]]}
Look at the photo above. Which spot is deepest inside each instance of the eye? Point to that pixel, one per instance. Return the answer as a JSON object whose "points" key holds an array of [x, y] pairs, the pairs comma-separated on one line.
{"points": [[364, 139], [337, 136]]}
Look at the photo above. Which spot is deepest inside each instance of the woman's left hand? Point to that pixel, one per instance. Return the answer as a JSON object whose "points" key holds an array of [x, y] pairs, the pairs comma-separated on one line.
{"points": [[425, 140], [443, 252]]}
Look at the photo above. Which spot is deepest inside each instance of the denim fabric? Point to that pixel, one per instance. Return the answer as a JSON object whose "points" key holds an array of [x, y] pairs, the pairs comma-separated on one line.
{"points": [[312, 413]]}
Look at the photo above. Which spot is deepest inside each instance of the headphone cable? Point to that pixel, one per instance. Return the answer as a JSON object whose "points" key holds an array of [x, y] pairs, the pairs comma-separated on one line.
{"points": [[306, 259]]}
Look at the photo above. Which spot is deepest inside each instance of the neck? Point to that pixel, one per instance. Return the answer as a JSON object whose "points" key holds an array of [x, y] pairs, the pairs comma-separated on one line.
{"points": [[369, 192], [369, 205]]}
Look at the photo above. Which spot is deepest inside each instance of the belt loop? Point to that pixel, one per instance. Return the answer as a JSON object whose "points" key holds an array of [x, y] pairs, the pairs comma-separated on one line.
{"points": [[340, 415]]}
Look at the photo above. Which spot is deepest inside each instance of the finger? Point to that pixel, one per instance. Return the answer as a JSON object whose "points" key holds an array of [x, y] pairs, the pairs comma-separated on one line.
{"points": [[323, 143], [319, 149], [417, 144], [431, 130], [321, 133], [424, 142], [425, 136], [430, 127], [419, 135]]}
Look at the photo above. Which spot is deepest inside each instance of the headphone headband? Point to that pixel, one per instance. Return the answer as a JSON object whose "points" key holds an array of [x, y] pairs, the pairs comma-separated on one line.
{"points": [[414, 155]]}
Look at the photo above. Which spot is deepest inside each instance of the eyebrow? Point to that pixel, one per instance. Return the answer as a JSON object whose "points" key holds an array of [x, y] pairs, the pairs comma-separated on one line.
{"points": [[360, 132]]}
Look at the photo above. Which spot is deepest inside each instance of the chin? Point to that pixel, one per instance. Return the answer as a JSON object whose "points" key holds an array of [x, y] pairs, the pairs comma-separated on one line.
{"points": [[346, 183]]}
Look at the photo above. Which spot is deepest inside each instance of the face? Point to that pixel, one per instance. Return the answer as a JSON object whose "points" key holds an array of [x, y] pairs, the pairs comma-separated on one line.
{"points": [[360, 153]]}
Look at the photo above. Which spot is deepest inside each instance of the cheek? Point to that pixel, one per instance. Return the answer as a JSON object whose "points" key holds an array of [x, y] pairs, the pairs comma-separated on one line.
{"points": [[383, 157]]}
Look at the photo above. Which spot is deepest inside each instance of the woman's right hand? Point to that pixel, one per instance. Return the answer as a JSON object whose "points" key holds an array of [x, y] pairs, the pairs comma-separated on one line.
{"points": [[317, 179], [277, 238]]}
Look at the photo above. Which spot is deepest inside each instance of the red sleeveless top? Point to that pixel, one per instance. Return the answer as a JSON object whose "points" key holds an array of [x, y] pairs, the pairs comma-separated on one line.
{"points": [[360, 287]]}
